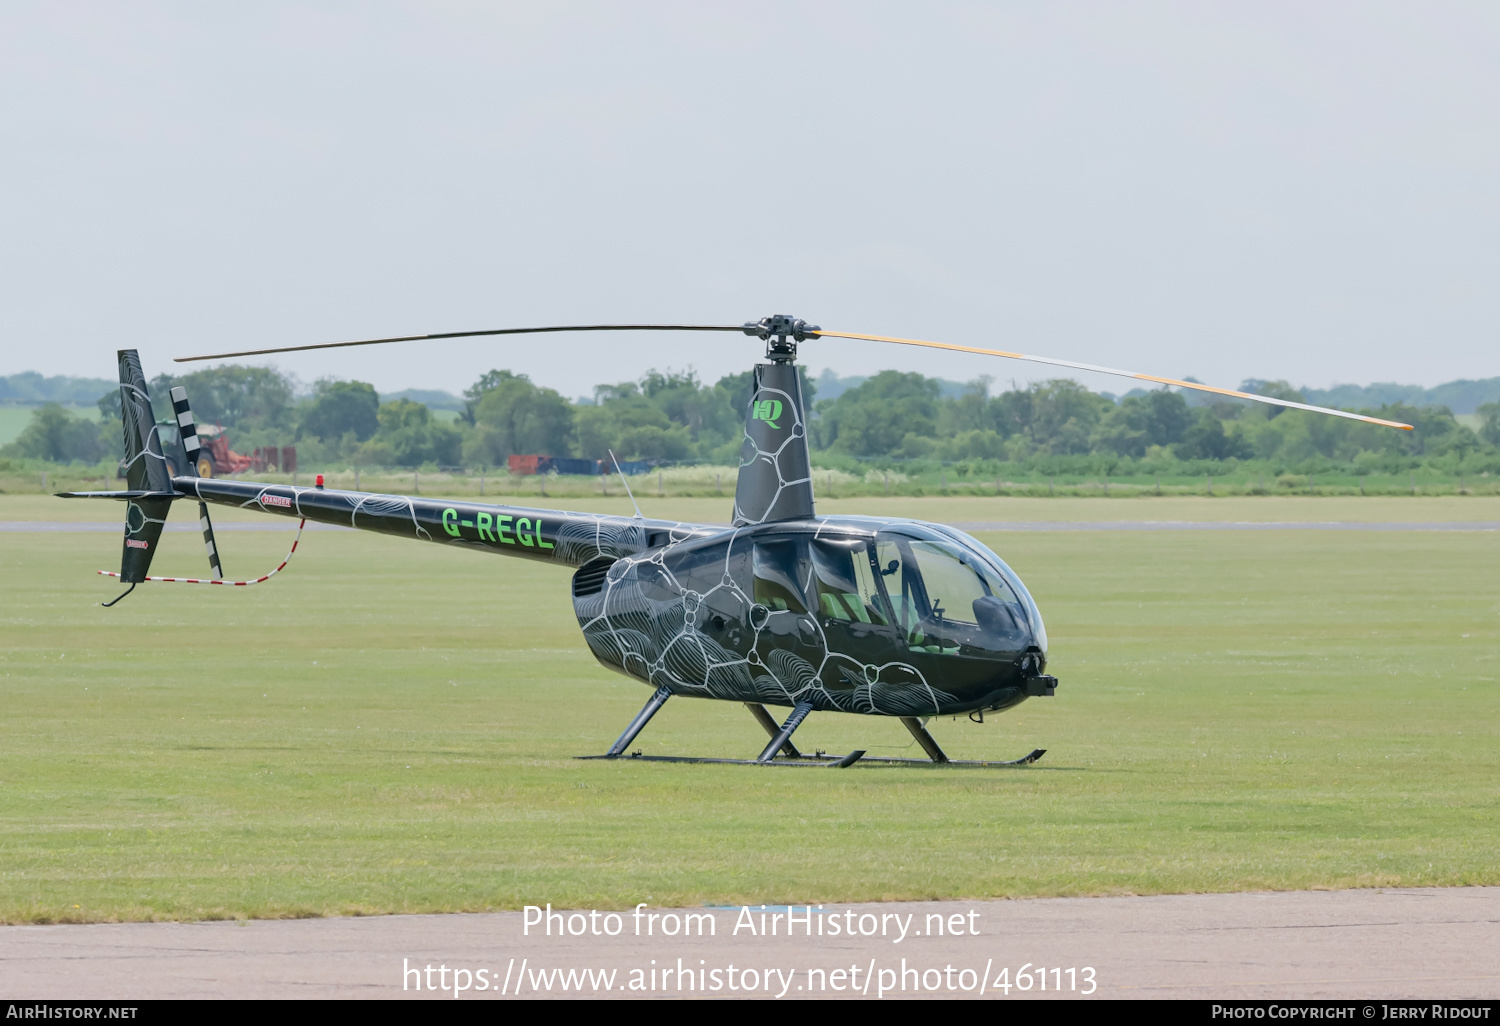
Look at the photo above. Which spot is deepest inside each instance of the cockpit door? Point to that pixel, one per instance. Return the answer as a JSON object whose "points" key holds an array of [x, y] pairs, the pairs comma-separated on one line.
{"points": [[902, 580], [852, 613], [780, 616]]}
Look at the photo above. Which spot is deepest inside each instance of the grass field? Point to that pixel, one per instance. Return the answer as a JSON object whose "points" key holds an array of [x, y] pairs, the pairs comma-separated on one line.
{"points": [[959, 509], [13, 419], [388, 728], [712, 483]]}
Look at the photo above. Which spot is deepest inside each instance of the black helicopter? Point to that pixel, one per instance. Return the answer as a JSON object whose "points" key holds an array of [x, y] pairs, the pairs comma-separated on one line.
{"points": [[875, 615]]}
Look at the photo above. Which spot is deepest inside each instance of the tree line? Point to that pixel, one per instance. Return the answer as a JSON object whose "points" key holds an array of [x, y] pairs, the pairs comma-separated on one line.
{"points": [[674, 417]]}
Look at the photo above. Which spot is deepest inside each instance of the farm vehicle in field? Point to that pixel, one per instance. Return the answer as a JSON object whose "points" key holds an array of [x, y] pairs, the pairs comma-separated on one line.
{"points": [[215, 458]]}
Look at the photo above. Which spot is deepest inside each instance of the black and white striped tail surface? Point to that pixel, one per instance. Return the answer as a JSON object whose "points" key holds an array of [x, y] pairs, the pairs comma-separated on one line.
{"points": [[184, 414], [207, 525]]}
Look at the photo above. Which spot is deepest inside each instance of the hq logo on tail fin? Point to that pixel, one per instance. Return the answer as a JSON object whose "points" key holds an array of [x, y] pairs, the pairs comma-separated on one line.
{"points": [[768, 410]]}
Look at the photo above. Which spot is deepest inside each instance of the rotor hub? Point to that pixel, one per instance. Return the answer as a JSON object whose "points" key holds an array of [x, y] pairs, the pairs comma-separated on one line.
{"points": [[781, 333]]}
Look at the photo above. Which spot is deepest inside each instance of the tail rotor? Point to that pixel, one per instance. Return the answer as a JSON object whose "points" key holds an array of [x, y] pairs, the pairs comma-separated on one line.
{"points": [[196, 459]]}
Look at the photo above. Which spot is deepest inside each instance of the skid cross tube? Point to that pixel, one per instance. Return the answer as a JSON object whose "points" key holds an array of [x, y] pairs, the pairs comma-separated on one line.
{"points": [[792, 723], [657, 700], [772, 729], [927, 741]]}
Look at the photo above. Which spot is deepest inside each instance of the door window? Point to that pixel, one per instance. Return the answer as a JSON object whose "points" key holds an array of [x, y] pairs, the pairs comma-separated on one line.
{"points": [[903, 584], [951, 584], [781, 572], [846, 581]]}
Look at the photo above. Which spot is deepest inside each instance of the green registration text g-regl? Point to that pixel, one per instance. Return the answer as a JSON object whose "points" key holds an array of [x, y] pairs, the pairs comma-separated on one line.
{"points": [[497, 528]]}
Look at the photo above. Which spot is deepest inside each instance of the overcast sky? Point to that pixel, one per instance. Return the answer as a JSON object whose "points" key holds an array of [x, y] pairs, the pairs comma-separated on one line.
{"points": [[1281, 190]]}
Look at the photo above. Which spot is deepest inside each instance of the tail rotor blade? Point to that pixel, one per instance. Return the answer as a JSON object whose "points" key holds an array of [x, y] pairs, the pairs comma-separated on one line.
{"points": [[1072, 365], [182, 412], [208, 541]]}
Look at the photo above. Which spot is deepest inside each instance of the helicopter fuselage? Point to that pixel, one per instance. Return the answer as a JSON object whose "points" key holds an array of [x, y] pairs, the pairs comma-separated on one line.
{"points": [[854, 614], [850, 614]]}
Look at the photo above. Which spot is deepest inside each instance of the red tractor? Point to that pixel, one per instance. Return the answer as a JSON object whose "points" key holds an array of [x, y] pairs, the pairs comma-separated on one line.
{"points": [[216, 459]]}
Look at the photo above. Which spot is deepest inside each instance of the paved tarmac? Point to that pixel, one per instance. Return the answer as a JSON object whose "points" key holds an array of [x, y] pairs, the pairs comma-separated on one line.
{"points": [[1365, 945], [91, 527]]}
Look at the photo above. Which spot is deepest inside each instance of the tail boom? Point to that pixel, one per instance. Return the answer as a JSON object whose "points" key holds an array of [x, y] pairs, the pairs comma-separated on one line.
{"points": [[543, 535]]}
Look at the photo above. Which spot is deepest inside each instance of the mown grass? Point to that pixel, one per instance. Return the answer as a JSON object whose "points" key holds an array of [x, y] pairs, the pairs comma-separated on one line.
{"points": [[389, 728], [33, 477], [955, 509], [14, 419]]}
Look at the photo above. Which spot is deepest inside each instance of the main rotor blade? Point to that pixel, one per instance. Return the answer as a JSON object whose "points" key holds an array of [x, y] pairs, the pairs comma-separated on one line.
{"points": [[1071, 365], [468, 334]]}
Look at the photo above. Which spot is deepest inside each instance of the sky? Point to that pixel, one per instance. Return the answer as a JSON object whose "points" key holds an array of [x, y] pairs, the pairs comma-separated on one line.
{"points": [[1269, 189]]}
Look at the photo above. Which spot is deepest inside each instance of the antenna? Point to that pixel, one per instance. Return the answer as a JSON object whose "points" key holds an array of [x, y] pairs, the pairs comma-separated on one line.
{"points": [[626, 483]]}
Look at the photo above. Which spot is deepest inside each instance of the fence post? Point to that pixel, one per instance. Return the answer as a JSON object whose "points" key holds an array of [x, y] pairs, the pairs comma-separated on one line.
{"points": [[481, 480], [1210, 484], [356, 479], [1414, 483], [660, 489], [1050, 482], [416, 482], [719, 483], [542, 479], [886, 477]]}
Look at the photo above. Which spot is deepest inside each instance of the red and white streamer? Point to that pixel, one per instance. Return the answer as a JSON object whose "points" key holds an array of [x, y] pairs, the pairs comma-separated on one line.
{"points": [[233, 584]]}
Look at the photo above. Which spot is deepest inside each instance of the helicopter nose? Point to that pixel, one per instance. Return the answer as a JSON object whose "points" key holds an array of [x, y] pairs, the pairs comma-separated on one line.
{"points": [[1034, 678], [1033, 662]]}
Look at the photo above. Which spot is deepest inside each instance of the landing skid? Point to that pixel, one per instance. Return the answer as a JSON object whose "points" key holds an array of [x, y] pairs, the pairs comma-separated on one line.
{"points": [[830, 761], [781, 751]]}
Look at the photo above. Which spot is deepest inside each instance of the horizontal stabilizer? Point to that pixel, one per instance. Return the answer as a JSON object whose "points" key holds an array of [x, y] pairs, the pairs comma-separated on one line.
{"points": [[120, 495]]}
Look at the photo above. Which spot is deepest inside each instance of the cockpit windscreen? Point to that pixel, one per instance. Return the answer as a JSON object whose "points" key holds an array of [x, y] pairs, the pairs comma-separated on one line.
{"points": [[934, 582]]}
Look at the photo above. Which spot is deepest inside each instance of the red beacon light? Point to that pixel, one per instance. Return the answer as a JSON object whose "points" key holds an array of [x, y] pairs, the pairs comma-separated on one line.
{"points": [[319, 481]]}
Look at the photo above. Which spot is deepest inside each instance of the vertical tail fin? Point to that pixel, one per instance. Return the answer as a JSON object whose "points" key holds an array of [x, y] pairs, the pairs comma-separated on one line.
{"points": [[145, 470], [145, 466]]}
